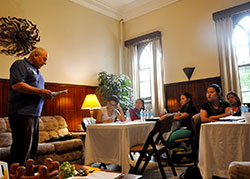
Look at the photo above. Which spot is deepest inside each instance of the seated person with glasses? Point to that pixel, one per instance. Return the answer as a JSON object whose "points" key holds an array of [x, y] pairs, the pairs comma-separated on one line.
{"points": [[111, 112]]}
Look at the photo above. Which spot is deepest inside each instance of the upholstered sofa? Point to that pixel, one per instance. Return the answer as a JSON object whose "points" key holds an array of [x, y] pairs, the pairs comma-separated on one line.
{"points": [[55, 141]]}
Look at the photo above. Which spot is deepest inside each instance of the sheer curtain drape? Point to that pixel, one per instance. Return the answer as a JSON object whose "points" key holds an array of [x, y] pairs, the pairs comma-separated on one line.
{"points": [[227, 58], [158, 98], [131, 69], [131, 66]]}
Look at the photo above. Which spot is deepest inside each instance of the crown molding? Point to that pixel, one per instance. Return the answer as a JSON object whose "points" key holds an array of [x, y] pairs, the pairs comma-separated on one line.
{"points": [[100, 7], [141, 7], [126, 12]]}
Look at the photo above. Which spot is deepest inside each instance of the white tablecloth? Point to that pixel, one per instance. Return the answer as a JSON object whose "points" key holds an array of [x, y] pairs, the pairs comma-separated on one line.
{"points": [[110, 143], [220, 144]]}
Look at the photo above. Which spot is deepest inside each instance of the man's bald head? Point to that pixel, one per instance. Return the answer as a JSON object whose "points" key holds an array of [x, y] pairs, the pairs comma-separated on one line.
{"points": [[38, 51], [38, 57]]}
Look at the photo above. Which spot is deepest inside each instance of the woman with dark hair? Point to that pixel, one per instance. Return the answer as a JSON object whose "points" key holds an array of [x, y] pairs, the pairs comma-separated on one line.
{"points": [[214, 108], [135, 112], [187, 110], [184, 116], [234, 100], [111, 112]]}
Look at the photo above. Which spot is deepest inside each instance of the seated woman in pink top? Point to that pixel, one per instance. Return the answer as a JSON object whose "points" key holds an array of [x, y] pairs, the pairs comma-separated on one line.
{"points": [[135, 112]]}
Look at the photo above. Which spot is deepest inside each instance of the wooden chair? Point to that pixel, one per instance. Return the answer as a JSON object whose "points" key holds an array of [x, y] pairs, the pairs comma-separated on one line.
{"points": [[152, 147]]}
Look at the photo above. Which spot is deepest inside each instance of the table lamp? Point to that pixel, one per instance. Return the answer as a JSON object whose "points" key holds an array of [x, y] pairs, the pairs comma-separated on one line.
{"points": [[91, 102]]}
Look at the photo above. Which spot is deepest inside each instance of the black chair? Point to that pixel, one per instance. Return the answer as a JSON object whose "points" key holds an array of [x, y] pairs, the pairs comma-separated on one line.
{"points": [[86, 121], [152, 146], [193, 140]]}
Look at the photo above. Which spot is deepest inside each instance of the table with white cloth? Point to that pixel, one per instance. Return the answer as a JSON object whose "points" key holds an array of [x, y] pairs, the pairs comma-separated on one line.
{"points": [[110, 142], [220, 144]]}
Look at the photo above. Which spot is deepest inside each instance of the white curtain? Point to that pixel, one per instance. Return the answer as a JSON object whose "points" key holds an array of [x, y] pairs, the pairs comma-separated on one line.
{"points": [[227, 59], [158, 97], [131, 69]]}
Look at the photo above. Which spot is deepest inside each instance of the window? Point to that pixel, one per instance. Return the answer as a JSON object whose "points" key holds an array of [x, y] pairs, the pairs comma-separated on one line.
{"points": [[241, 41], [145, 64]]}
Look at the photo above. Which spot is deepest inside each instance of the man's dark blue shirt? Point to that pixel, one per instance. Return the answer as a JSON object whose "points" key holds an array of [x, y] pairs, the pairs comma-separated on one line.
{"points": [[20, 103]]}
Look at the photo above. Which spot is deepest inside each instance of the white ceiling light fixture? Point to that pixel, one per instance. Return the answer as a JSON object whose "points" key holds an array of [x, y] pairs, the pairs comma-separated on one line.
{"points": [[124, 9]]}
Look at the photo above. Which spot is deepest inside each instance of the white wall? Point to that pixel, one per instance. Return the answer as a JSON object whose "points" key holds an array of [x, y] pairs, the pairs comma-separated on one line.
{"points": [[188, 36], [80, 42]]}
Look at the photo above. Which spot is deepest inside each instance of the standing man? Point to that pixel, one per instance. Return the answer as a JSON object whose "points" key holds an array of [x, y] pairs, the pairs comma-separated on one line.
{"points": [[25, 104]]}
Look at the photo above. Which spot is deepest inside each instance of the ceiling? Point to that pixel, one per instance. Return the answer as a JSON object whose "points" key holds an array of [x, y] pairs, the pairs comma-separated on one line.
{"points": [[124, 9]]}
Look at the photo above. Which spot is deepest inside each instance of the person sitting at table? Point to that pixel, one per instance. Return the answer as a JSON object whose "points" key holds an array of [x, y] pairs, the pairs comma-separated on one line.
{"points": [[135, 112], [184, 116], [111, 112], [235, 102], [215, 107]]}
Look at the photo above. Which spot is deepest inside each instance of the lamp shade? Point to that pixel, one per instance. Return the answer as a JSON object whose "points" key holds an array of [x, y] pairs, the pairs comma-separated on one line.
{"points": [[91, 102]]}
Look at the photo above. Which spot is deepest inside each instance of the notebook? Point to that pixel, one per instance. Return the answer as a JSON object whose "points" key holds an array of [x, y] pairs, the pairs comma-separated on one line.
{"points": [[232, 118]]}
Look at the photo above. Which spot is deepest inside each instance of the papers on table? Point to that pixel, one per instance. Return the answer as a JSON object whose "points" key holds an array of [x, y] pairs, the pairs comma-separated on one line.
{"points": [[100, 174], [106, 175], [232, 118], [58, 92]]}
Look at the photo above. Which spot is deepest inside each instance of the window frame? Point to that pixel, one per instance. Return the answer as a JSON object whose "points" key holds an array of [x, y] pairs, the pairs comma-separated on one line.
{"points": [[141, 48], [236, 20]]}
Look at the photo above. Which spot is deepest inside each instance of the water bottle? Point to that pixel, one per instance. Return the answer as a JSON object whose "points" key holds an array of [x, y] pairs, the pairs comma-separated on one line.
{"points": [[242, 109], [151, 114], [147, 116], [141, 115], [144, 113], [127, 116], [246, 108]]}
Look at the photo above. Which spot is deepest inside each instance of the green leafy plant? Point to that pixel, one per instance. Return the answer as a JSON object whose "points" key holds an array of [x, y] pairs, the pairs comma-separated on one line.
{"points": [[67, 170], [118, 85]]}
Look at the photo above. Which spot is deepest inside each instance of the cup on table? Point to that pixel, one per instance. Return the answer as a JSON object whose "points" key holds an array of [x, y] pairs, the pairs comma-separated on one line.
{"points": [[247, 117]]}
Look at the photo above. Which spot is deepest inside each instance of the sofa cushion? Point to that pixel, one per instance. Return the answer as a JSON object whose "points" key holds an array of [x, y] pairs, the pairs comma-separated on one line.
{"points": [[53, 134], [61, 122], [5, 139], [7, 124], [43, 136], [70, 156], [3, 127], [45, 148], [50, 123], [68, 145], [5, 153], [52, 127], [63, 132]]}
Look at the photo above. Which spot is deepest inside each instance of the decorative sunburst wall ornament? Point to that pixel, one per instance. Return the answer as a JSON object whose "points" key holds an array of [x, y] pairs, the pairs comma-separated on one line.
{"points": [[17, 36]]}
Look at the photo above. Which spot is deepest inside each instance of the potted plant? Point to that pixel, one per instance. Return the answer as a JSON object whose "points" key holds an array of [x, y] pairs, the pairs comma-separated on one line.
{"points": [[118, 85]]}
